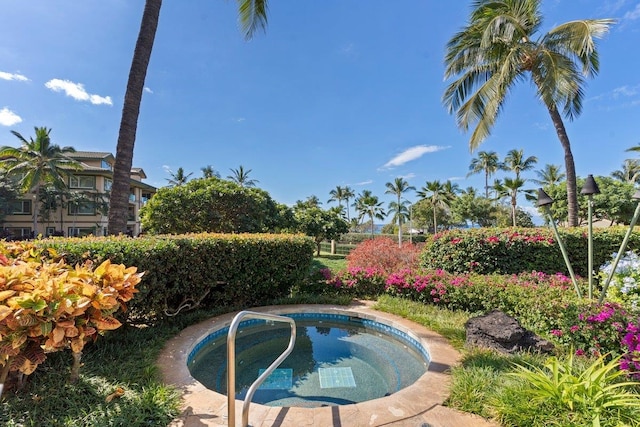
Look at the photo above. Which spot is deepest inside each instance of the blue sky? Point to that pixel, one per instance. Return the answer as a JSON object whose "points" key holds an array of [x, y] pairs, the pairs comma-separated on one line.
{"points": [[334, 93]]}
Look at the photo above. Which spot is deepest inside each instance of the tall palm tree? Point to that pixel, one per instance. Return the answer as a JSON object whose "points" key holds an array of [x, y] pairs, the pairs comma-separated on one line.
{"points": [[435, 192], [499, 48], [178, 177], [398, 187], [510, 188], [400, 214], [209, 172], [38, 162], [515, 162], [253, 15], [241, 177], [348, 193], [630, 171], [368, 204], [487, 162], [550, 175], [337, 195]]}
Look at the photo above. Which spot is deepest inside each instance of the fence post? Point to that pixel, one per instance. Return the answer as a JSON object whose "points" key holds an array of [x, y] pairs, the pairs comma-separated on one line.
{"points": [[333, 247]]}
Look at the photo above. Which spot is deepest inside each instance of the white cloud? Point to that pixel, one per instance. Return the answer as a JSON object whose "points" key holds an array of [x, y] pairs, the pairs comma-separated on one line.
{"points": [[633, 14], [412, 153], [10, 76], [76, 91], [408, 176], [8, 117], [457, 178], [148, 90], [358, 184]]}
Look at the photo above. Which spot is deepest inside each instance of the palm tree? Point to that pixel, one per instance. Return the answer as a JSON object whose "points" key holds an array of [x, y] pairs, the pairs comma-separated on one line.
{"points": [[178, 178], [348, 193], [253, 15], [368, 204], [209, 172], [38, 162], [499, 48], [510, 188], [241, 177], [630, 171], [398, 187], [436, 193], [515, 162], [550, 175], [487, 162], [337, 195], [400, 214]]}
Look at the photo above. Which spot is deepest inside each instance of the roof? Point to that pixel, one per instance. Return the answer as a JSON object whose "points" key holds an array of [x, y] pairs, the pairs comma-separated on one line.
{"points": [[90, 155]]}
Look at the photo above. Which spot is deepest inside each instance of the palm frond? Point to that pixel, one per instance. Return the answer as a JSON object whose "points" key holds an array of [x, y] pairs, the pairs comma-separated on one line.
{"points": [[252, 16]]}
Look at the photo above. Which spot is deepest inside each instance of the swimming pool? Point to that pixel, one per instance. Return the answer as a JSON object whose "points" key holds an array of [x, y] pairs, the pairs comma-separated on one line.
{"points": [[419, 403], [338, 359]]}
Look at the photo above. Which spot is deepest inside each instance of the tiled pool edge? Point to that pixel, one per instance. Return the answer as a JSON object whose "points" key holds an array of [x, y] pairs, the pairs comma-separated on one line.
{"points": [[203, 407]]}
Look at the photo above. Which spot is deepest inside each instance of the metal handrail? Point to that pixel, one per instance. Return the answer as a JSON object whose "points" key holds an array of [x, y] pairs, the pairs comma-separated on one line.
{"points": [[231, 363]]}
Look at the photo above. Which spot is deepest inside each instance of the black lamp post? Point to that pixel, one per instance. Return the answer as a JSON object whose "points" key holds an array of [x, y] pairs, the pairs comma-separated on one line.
{"points": [[636, 196], [590, 188], [545, 201]]}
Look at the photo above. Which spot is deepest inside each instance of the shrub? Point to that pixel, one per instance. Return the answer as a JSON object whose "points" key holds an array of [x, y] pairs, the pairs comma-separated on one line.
{"points": [[48, 306], [384, 254], [624, 286], [200, 270], [516, 250]]}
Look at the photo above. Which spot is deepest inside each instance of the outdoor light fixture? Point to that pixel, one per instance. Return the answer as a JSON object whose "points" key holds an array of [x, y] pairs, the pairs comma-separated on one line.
{"points": [[545, 201], [636, 196], [590, 188]]}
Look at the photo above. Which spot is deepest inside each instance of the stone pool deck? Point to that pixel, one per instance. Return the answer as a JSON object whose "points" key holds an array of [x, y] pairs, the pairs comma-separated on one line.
{"points": [[419, 405]]}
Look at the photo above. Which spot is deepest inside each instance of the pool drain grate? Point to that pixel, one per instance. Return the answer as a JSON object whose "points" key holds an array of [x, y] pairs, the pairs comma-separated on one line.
{"points": [[280, 379], [336, 378]]}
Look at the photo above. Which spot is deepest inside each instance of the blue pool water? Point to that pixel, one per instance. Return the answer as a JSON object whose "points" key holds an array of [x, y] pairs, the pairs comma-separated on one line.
{"points": [[337, 360]]}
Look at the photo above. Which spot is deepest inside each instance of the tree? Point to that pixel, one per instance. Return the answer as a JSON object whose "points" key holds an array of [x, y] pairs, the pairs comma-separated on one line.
{"points": [[510, 188], [499, 48], [338, 195], [253, 15], [209, 172], [241, 177], [515, 162], [487, 162], [347, 195], [398, 187], [311, 202], [550, 175], [213, 205], [630, 171], [8, 196], [178, 178], [438, 196], [368, 204], [320, 224], [38, 162]]}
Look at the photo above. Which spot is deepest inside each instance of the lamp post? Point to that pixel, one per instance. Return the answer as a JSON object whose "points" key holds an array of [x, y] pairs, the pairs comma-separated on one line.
{"points": [[590, 188], [623, 245], [545, 201]]}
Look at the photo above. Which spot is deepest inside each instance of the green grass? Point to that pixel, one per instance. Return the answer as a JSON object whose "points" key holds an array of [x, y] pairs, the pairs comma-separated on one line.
{"points": [[333, 262]]}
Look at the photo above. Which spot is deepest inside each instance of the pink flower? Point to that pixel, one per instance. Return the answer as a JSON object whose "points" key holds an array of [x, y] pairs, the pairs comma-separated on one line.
{"points": [[556, 332], [579, 352], [574, 328]]}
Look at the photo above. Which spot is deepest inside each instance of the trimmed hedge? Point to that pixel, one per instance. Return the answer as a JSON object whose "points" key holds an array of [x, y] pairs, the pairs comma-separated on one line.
{"points": [[182, 271], [516, 250]]}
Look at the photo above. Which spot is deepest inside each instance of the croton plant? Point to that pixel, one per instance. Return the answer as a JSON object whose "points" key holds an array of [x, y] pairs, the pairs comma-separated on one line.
{"points": [[47, 305]]}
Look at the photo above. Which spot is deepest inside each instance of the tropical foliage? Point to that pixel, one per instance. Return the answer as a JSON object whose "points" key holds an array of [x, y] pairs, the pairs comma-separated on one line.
{"points": [[498, 48]]}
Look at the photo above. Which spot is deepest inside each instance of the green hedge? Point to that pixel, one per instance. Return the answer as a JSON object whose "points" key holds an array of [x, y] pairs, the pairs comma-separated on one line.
{"points": [[516, 250], [211, 269]]}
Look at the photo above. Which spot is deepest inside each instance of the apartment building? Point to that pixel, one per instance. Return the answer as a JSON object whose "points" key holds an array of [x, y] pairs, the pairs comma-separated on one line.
{"points": [[85, 211]]}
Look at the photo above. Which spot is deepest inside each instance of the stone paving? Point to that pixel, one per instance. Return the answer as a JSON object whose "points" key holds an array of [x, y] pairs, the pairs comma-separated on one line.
{"points": [[419, 405]]}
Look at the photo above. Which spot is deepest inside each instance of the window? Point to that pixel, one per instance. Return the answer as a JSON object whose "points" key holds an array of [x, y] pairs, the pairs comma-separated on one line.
{"points": [[105, 165], [22, 207], [17, 232], [83, 208], [81, 231], [107, 184], [82, 181]]}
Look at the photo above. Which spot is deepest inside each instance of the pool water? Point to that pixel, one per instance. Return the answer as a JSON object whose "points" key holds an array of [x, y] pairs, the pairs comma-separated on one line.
{"points": [[337, 360]]}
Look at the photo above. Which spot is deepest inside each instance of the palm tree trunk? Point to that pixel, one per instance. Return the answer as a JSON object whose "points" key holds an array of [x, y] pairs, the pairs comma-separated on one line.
{"points": [[119, 200], [569, 164], [513, 208], [486, 184], [435, 221], [35, 211]]}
